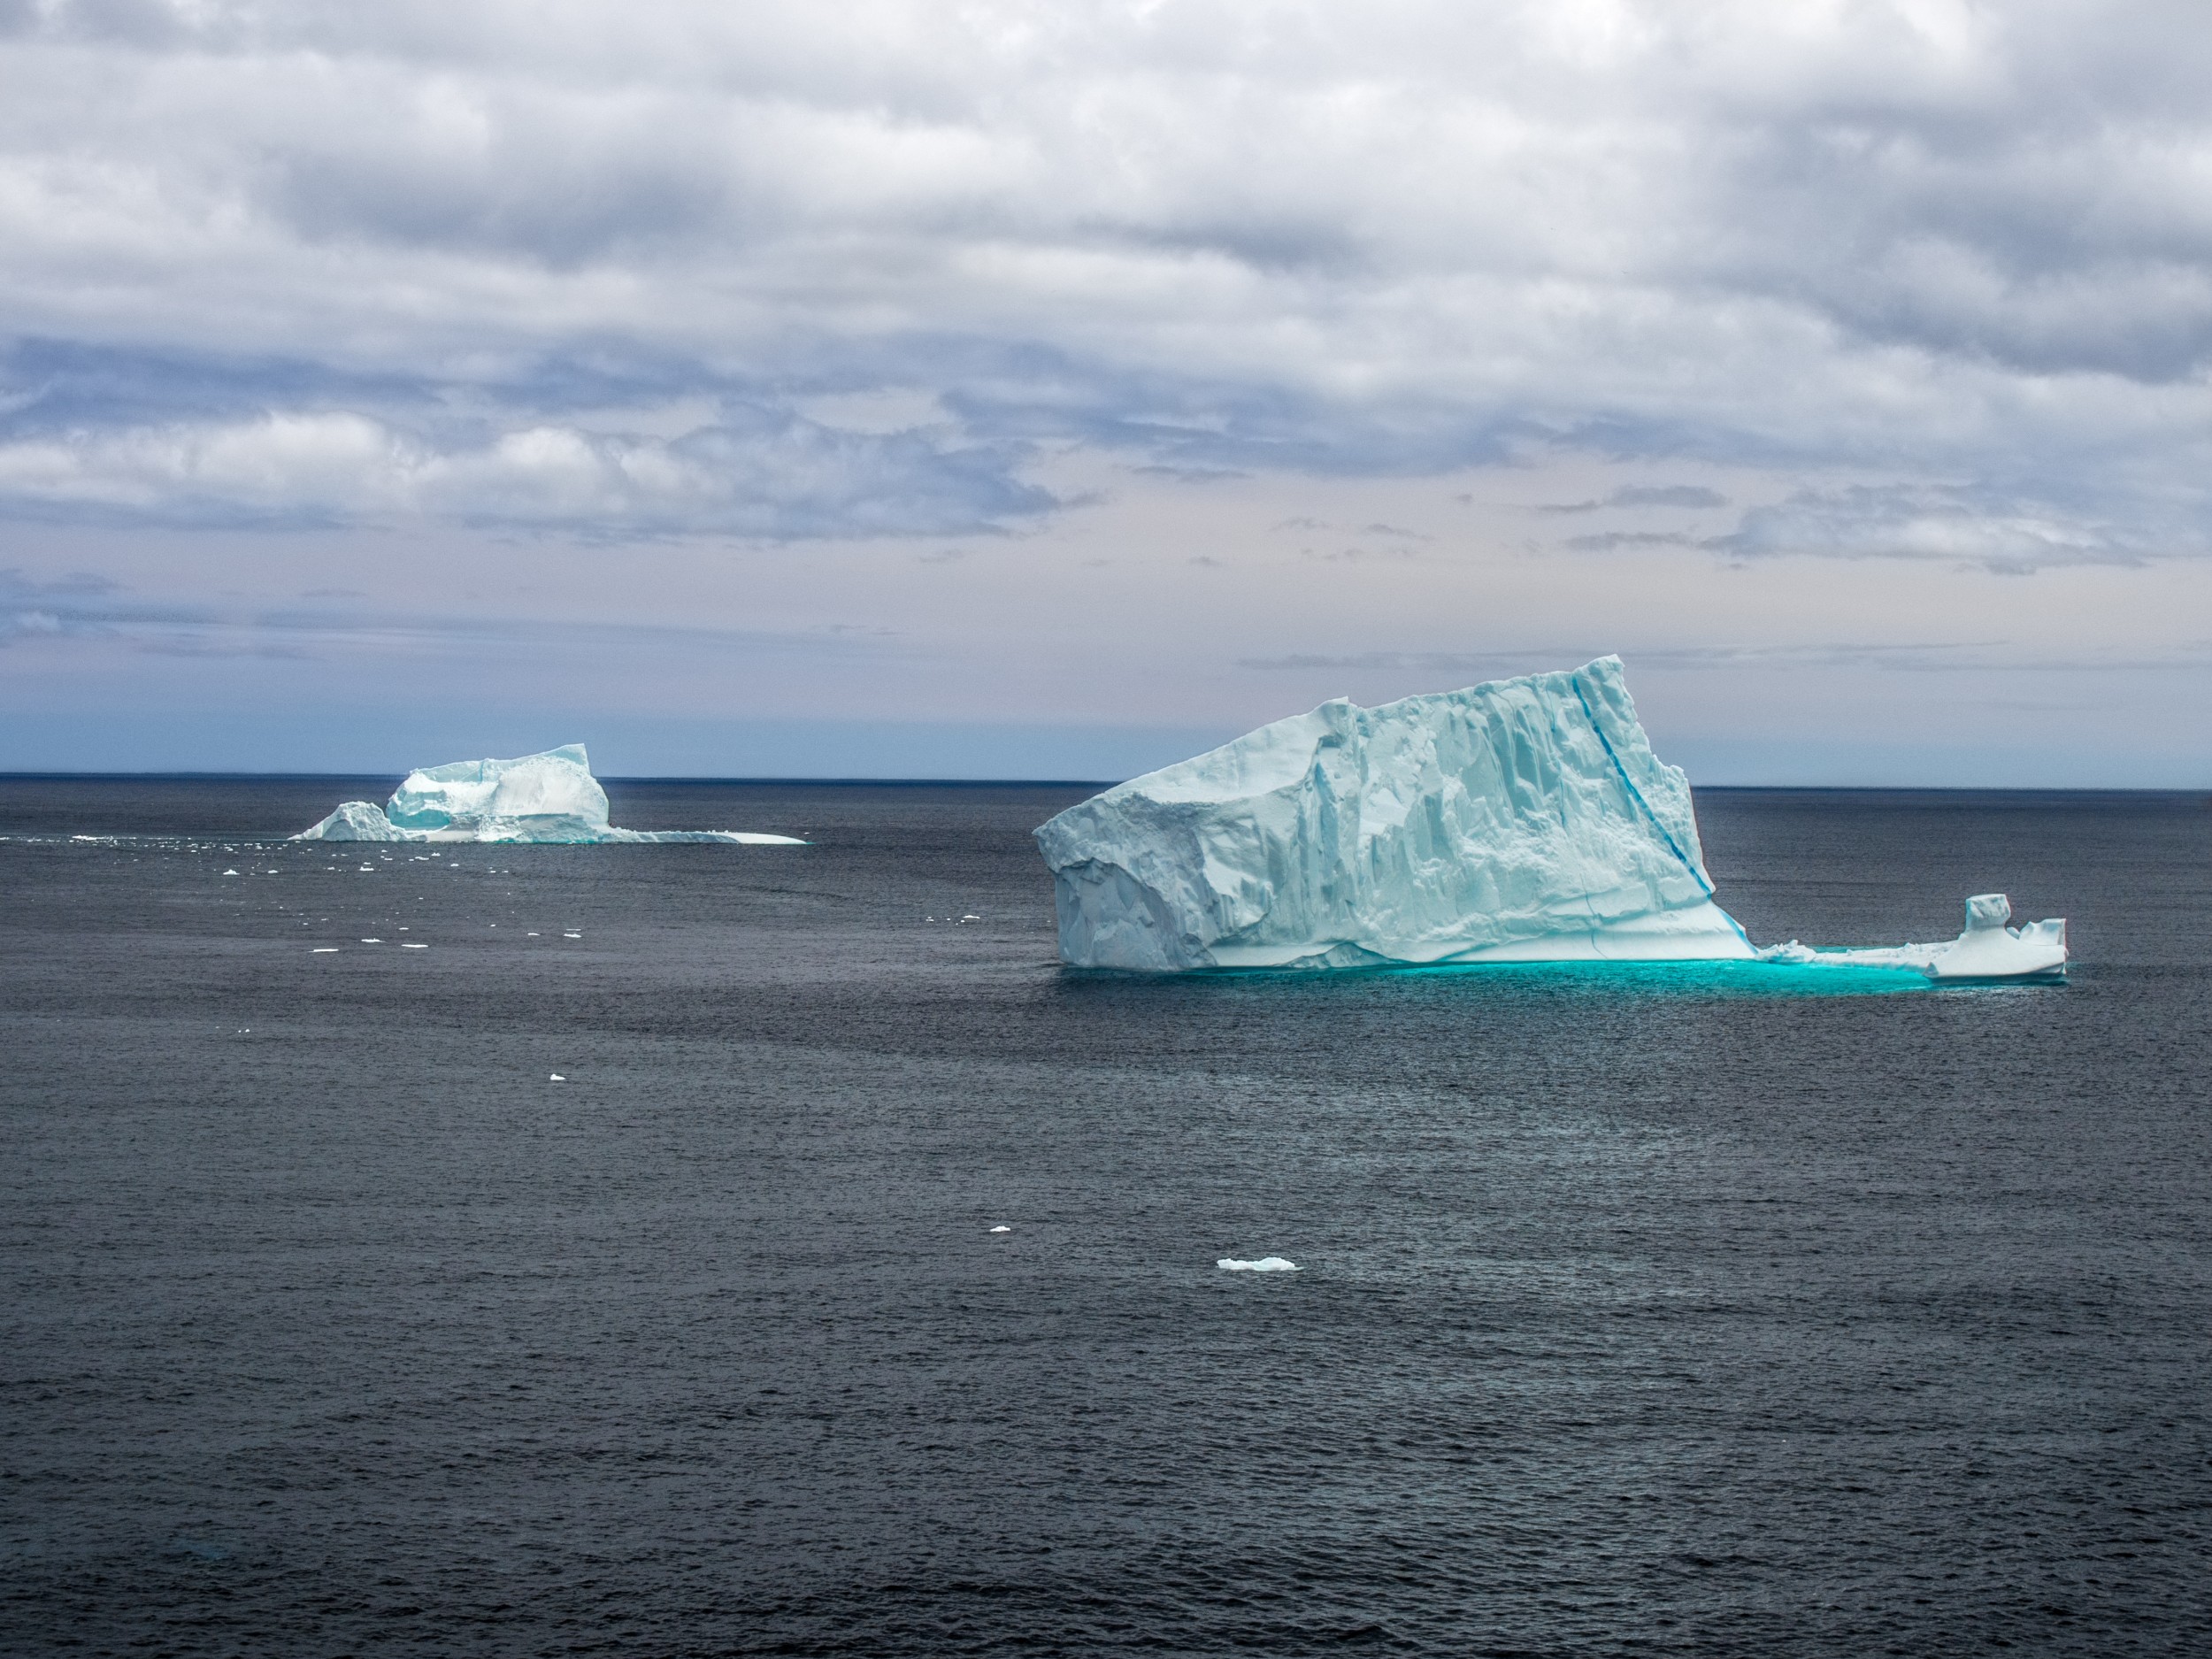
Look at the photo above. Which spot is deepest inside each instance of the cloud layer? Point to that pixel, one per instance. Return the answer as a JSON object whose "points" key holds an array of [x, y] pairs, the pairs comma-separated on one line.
{"points": [[1946, 269]]}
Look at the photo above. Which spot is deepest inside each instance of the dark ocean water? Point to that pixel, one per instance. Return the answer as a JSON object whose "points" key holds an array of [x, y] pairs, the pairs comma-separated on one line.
{"points": [[1637, 1313]]}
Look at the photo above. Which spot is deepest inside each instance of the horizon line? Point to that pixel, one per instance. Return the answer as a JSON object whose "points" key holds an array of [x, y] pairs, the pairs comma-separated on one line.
{"points": [[50, 776]]}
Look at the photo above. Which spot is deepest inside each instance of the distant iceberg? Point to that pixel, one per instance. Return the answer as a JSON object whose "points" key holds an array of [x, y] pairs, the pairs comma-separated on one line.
{"points": [[551, 798], [1519, 820]]}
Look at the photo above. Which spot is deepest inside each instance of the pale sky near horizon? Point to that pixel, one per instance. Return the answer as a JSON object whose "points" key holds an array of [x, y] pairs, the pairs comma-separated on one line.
{"points": [[993, 389]]}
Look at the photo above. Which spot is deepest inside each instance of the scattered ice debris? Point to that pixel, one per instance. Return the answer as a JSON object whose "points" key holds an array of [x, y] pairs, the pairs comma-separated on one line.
{"points": [[548, 797], [1002, 1229], [1265, 1264], [557, 1077]]}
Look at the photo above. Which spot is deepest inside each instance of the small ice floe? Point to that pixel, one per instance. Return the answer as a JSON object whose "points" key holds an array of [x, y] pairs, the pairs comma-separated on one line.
{"points": [[1002, 1229], [404, 945], [971, 919], [1265, 1264], [529, 935], [557, 1077], [372, 941], [572, 936], [324, 950], [230, 872]]}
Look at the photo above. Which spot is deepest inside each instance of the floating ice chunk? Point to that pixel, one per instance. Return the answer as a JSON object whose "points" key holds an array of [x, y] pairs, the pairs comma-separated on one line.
{"points": [[405, 946], [1521, 820], [1988, 950], [1002, 1229], [372, 941], [324, 950], [230, 872], [1265, 1264], [548, 797], [557, 1077]]}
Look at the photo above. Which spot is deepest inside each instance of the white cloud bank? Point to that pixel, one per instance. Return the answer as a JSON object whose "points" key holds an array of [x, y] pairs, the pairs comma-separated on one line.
{"points": [[771, 476], [340, 261]]}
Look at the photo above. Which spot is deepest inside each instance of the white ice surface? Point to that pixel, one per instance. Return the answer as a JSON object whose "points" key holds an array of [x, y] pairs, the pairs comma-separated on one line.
{"points": [[548, 797], [1265, 1264], [1988, 950], [1517, 821]]}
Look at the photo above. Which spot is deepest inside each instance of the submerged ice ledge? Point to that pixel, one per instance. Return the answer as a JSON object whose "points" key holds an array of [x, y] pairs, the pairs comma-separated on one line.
{"points": [[1988, 950], [1519, 820], [551, 798]]}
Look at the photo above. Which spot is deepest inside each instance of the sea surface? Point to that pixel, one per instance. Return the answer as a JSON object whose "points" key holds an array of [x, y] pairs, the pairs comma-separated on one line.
{"points": [[1635, 1313]]}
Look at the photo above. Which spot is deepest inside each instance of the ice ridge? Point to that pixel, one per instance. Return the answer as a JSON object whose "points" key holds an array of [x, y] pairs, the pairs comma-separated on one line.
{"points": [[548, 797]]}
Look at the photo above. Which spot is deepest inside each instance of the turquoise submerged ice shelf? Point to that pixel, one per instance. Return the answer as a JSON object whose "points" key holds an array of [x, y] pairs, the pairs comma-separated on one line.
{"points": [[1520, 820], [548, 797]]}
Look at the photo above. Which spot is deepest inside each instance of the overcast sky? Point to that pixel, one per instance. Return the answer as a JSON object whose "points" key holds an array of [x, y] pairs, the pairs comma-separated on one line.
{"points": [[1053, 389]]}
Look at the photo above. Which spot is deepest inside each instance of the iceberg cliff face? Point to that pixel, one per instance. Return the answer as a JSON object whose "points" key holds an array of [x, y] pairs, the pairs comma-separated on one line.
{"points": [[548, 797], [1521, 820]]}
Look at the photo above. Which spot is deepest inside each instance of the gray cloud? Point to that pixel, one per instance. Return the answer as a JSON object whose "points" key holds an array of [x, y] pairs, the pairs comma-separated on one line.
{"points": [[390, 254], [1946, 657], [291, 445], [1957, 524], [1686, 495], [93, 607], [1615, 540]]}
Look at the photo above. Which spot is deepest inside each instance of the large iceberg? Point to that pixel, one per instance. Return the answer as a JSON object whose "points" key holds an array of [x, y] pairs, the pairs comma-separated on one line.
{"points": [[1521, 820], [548, 797]]}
